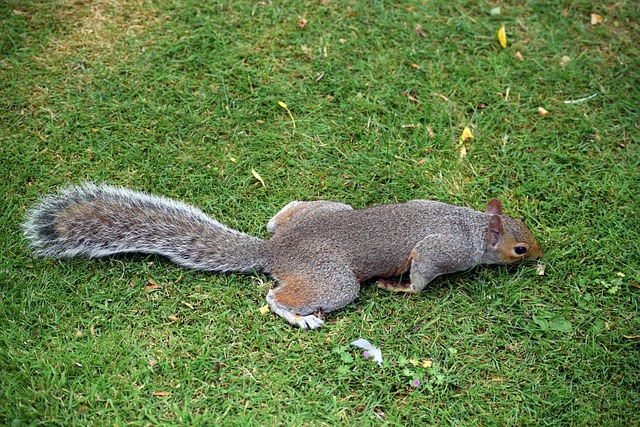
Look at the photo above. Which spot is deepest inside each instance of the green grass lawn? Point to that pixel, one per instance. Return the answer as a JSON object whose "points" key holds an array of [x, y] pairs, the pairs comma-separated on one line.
{"points": [[181, 98]]}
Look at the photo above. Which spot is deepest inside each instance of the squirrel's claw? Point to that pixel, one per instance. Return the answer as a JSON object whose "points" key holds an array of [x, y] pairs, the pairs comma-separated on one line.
{"points": [[308, 322]]}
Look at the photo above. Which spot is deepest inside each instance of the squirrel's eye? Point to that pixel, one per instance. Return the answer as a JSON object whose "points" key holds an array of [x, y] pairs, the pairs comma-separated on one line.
{"points": [[520, 250]]}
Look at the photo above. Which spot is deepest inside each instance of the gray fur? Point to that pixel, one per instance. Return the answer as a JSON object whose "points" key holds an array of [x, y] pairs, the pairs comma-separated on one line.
{"points": [[319, 251], [117, 220]]}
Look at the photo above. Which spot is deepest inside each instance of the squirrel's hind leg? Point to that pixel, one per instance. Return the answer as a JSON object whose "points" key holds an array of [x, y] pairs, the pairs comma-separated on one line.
{"points": [[310, 321], [300, 296], [295, 208]]}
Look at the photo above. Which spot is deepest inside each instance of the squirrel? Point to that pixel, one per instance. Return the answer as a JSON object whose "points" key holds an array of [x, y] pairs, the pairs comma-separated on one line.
{"points": [[319, 251]]}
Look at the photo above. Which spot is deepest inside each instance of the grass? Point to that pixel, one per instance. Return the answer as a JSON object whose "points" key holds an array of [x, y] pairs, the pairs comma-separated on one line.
{"points": [[181, 98]]}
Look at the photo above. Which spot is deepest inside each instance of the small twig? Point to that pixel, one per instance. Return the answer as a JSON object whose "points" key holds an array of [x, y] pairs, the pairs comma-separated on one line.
{"points": [[575, 101]]}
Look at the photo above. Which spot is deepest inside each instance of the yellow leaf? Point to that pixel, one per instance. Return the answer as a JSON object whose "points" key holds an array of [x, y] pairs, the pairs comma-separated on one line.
{"points": [[264, 309], [542, 111], [258, 177], [427, 363], [502, 37], [283, 105], [466, 134]]}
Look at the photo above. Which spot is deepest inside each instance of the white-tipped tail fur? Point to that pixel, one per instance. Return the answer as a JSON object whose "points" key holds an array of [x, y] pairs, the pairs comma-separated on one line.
{"points": [[98, 220]]}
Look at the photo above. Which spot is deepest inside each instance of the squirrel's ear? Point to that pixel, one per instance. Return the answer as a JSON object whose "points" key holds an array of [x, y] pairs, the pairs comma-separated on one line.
{"points": [[494, 207], [495, 230]]}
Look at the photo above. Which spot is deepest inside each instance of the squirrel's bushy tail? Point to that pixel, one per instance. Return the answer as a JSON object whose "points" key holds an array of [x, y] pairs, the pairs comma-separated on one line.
{"points": [[99, 220]]}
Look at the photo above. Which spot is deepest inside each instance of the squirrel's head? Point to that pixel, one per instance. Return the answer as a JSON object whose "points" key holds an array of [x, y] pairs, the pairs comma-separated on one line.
{"points": [[508, 239]]}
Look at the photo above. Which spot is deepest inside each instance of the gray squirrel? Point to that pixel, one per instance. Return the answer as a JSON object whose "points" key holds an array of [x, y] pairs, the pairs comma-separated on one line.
{"points": [[319, 251]]}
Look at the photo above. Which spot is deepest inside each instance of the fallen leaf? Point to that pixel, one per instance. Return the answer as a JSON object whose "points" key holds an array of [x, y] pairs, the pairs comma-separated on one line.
{"points": [[162, 393], [409, 96], [542, 111], [427, 363], [540, 269], [258, 177], [495, 11], [466, 134], [264, 309], [173, 318], [430, 132], [596, 19], [307, 51], [463, 151], [416, 66], [502, 37], [564, 61], [519, 56], [420, 31], [283, 105]]}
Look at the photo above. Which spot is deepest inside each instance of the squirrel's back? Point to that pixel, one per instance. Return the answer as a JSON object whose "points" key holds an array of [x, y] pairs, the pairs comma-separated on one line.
{"points": [[99, 220], [376, 241]]}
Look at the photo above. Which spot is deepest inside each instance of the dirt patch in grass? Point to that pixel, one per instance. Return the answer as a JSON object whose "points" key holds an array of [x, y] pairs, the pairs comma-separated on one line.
{"points": [[102, 27]]}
